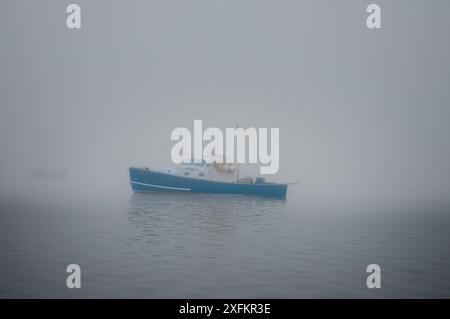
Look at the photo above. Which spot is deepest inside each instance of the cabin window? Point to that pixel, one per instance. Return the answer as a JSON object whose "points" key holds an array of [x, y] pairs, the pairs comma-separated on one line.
{"points": [[186, 173], [201, 174]]}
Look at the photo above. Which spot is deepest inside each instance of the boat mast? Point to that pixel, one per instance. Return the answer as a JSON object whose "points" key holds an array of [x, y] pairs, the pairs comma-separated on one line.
{"points": [[237, 164]]}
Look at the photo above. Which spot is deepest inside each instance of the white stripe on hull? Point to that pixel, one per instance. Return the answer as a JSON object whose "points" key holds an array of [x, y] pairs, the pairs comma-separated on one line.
{"points": [[163, 187]]}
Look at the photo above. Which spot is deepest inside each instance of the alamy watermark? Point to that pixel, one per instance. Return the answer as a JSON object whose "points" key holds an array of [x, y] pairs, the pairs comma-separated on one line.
{"points": [[234, 150], [374, 279], [74, 279], [73, 20], [373, 21]]}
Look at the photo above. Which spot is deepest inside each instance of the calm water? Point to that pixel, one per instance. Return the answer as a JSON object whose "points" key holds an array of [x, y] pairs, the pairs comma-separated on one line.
{"points": [[207, 246]]}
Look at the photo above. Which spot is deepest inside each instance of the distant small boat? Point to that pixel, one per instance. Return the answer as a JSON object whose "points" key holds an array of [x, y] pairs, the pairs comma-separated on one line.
{"points": [[219, 178]]}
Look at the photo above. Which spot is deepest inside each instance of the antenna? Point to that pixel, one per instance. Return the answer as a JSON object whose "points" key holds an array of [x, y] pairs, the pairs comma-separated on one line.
{"points": [[237, 164]]}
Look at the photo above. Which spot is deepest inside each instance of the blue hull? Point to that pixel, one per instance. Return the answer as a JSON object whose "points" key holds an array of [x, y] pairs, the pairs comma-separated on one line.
{"points": [[144, 180]]}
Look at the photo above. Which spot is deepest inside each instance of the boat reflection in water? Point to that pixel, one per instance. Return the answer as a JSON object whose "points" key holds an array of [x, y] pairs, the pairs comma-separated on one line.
{"points": [[189, 244], [171, 217]]}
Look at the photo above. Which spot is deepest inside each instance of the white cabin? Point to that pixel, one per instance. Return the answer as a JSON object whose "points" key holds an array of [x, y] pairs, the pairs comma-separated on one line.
{"points": [[225, 172]]}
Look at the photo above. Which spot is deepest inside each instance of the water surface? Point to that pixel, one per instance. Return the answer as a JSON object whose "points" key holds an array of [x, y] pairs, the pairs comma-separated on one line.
{"points": [[206, 246]]}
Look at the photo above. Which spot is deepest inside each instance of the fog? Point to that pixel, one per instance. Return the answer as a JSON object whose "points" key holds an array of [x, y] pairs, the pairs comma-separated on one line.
{"points": [[363, 114]]}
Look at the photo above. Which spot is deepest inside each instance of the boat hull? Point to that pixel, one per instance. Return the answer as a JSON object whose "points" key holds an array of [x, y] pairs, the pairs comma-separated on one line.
{"points": [[144, 180]]}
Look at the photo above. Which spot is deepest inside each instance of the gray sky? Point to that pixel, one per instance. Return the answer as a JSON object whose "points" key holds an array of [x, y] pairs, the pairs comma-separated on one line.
{"points": [[362, 113]]}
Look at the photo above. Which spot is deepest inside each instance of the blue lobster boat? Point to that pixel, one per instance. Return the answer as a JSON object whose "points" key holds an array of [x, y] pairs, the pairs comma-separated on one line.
{"points": [[202, 178]]}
